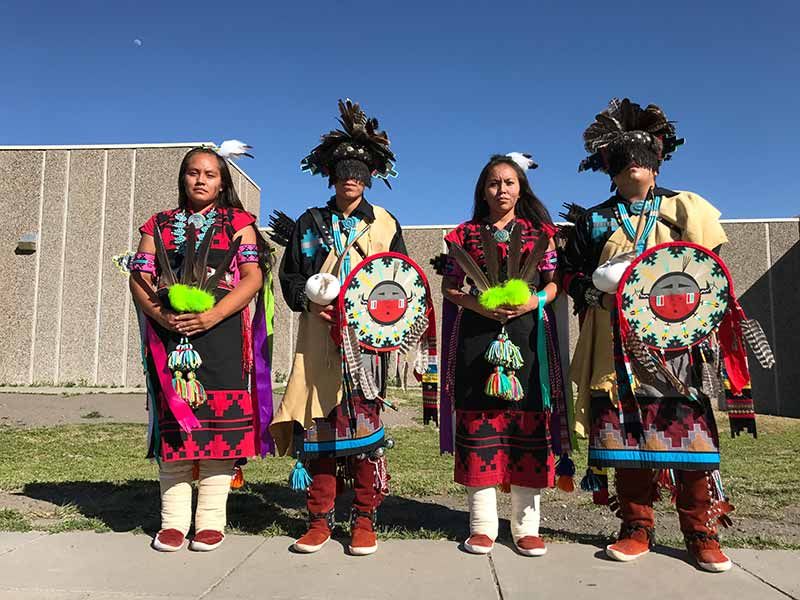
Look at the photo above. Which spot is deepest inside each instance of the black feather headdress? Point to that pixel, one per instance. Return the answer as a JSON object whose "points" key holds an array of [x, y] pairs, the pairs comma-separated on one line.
{"points": [[358, 150], [624, 133]]}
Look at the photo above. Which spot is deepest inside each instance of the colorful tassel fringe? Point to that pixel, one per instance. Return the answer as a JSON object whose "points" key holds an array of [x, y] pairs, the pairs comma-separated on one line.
{"points": [[498, 385], [596, 481], [504, 352], [186, 358], [515, 391], [506, 357], [565, 473], [299, 479], [195, 392]]}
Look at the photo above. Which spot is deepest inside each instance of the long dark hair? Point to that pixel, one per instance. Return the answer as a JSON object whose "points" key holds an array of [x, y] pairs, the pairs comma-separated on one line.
{"points": [[228, 198], [528, 206]]}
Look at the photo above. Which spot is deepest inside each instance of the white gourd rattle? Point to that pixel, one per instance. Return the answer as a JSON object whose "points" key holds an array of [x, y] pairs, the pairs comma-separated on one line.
{"points": [[322, 288], [607, 276]]}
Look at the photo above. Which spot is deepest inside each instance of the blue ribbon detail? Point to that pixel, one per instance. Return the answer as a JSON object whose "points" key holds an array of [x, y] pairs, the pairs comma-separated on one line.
{"points": [[541, 351]]}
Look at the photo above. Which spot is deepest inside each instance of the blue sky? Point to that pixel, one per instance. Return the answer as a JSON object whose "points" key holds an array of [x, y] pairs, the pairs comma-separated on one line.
{"points": [[451, 82]]}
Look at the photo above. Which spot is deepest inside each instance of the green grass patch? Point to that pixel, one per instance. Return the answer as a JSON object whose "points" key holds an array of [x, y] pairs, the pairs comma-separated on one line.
{"points": [[13, 520]]}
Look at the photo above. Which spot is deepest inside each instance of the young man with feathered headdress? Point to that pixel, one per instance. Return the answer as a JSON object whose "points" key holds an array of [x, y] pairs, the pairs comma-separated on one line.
{"points": [[324, 419], [648, 417]]}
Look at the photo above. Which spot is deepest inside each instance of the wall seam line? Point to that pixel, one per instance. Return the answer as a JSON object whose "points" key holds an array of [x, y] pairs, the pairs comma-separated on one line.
{"points": [[60, 303], [101, 257], [127, 317], [37, 267]]}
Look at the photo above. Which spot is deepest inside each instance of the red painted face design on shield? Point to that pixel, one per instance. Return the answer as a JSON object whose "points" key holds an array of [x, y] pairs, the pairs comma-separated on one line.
{"points": [[674, 297], [387, 303]]}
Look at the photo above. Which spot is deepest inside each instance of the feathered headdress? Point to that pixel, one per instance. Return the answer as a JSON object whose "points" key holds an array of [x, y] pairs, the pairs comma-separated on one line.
{"points": [[230, 150], [524, 161], [625, 133], [359, 150]]}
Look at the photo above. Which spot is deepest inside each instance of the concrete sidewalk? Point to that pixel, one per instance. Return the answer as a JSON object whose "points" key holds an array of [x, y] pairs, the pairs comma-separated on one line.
{"points": [[83, 565]]}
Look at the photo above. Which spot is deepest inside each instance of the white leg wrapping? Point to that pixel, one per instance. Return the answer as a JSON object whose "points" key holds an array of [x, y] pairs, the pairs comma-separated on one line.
{"points": [[482, 511], [524, 512], [175, 481], [212, 494]]}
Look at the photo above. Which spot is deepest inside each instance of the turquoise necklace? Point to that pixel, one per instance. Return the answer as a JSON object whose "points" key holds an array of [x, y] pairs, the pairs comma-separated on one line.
{"points": [[647, 210], [340, 226], [201, 222]]}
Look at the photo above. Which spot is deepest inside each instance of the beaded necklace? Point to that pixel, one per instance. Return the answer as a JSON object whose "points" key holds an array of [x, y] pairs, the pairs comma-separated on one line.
{"points": [[201, 223], [349, 227], [647, 210]]}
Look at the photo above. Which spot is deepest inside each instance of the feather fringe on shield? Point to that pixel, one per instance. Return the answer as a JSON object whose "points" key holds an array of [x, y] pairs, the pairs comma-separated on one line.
{"points": [[352, 354], [757, 340], [414, 334]]}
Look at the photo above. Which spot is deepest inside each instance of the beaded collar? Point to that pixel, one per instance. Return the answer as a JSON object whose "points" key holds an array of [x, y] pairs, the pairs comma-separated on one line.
{"points": [[201, 223]]}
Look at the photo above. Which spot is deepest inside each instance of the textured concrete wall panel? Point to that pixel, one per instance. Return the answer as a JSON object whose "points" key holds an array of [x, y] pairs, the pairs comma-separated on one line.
{"points": [[745, 254], [20, 186], [114, 285], [85, 219], [50, 244]]}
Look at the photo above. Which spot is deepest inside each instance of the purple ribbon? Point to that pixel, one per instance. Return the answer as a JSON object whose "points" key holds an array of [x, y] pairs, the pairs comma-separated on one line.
{"points": [[449, 331], [261, 386]]}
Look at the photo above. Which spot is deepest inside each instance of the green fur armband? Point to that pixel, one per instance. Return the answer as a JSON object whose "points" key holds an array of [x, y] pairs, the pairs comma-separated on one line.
{"points": [[190, 299], [513, 292]]}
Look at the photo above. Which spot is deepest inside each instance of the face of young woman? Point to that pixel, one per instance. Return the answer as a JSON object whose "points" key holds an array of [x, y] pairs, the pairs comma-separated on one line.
{"points": [[501, 190], [202, 180]]}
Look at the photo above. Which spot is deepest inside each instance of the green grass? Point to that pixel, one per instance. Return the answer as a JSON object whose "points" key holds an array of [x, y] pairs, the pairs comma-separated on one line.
{"points": [[95, 477], [13, 520]]}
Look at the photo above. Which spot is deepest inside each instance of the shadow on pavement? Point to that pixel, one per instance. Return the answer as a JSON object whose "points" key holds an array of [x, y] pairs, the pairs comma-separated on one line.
{"points": [[268, 508]]}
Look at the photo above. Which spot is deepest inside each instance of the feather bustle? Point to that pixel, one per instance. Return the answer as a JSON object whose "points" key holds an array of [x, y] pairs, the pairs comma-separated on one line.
{"points": [[282, 226], [531, 264], [223, 266], [514, 253], [188, 259], [490, 254], [167, 274], [201, 258], [470, 267]]}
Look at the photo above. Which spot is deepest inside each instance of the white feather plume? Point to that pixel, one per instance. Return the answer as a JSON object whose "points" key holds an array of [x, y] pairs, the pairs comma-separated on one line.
{"points": [[525, 161], [233, 149]]}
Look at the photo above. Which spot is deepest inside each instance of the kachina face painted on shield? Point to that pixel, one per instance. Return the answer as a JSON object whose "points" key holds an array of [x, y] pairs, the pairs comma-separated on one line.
{"points": [[675, 297], [387, 302]]}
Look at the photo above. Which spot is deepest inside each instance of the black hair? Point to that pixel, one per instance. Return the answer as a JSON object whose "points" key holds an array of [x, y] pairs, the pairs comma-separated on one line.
{"points": [[528, 206], [350, 168], [228, 198], [620, 156]]}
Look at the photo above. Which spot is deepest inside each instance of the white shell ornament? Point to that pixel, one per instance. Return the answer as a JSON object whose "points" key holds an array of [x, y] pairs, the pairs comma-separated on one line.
{"points": [[607, 276], [322, 288]]}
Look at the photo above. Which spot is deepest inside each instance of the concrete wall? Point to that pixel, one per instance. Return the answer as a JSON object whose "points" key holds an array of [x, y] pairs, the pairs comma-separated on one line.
{"points": [[764, 257], [67, 314]]}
